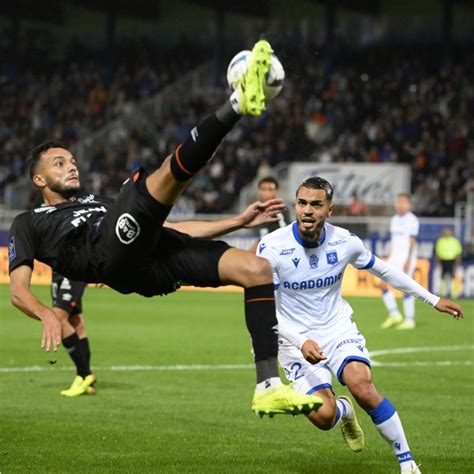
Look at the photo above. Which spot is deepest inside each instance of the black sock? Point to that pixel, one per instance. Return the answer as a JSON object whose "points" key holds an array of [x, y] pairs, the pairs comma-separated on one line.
{"points": [[73, 347], [261, 321], [204, 139], [84, 343]]}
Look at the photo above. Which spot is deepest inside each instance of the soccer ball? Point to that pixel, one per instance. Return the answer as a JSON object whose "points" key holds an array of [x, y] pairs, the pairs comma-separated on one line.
{"points": [[275, 75]]}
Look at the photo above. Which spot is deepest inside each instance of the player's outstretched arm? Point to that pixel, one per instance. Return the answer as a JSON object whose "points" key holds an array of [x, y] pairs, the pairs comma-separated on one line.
{"points": [[257, 213], [394, 277], [22, 297]]}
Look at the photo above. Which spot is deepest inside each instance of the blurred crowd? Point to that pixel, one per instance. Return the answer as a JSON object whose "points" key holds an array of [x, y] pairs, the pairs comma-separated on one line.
{"points": [[70, 97], [377, 105]]}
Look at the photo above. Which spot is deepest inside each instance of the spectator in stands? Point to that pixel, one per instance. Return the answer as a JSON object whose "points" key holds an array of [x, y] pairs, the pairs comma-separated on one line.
{"points": [[357, 207]]}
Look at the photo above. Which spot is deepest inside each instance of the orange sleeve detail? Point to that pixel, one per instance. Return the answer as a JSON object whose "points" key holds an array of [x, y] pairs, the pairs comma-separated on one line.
{"points": [[253, 300], [179, 161]]}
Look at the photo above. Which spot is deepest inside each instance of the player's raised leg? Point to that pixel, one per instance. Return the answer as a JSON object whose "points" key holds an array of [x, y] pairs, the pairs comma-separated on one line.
{"points": [[358, 378], [254, 274], [168, 182]]}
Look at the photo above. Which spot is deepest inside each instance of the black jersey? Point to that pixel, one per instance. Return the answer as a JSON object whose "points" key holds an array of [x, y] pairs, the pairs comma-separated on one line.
{"points": [[264, 229], [58, 234], [122, 243]]}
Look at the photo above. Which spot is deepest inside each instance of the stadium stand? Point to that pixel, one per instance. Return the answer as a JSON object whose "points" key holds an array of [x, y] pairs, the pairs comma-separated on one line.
{"points": [[373, 105]]}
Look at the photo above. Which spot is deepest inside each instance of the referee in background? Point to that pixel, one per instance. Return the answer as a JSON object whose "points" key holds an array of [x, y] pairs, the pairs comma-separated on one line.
{"points": [[448, 250]]}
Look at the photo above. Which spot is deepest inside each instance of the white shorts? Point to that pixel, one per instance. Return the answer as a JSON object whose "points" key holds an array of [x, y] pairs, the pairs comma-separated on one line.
{"points": [[308, 378]]}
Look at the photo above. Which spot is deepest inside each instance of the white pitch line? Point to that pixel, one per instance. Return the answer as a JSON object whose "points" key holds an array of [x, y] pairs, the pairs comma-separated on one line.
{"points": [[131, 368], [411, 350], [162, 368], [419, 363]]}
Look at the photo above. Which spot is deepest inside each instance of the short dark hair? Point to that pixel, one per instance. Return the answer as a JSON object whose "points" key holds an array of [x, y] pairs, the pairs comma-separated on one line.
{"points": [[269, 179], [316, 182], [38, 152]]}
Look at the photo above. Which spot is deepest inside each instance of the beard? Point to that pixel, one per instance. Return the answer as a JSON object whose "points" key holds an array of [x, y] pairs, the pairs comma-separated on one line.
{"points": [[64, 190]]}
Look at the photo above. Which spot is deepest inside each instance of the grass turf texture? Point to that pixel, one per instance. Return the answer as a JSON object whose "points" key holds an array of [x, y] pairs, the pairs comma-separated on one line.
{"points": [[200, 420]]}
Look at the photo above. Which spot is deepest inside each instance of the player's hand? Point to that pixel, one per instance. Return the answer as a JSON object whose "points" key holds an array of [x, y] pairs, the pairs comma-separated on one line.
{"points": [[447, 306], [51, 338], [259, 213], [312, 352]]}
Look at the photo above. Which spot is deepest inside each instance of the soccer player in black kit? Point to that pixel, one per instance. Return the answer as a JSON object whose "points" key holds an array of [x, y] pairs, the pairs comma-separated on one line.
{"points": [[125, 244], [66, 295]]}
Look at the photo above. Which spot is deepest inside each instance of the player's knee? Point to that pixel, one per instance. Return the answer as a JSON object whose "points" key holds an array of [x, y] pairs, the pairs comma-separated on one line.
{"points": [[61, 314], [325, 417], [259, 271], [364, 391], [74, 319]]}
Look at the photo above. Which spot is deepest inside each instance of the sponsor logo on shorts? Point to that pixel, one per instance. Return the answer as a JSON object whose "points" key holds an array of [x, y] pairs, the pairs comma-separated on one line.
{"points": [[67, 297], [11, 249], [127, 229], [65, 284], [350, 341]]}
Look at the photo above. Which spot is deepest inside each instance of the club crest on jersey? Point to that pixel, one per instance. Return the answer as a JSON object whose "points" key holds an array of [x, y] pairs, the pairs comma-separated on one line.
{"points": [[127, 229], [313, 261], [295, 261], [11, 249], [332, 258], [261, 247]]}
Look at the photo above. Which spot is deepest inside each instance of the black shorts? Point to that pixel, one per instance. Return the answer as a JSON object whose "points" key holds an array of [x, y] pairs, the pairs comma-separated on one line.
{"points": [[134, 253], [447, 267], [67, 294]]}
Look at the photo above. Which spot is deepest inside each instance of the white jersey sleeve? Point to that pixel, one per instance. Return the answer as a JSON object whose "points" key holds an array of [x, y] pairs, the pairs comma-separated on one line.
{"points": [[271, 255], [391, 275], [361, 257]]}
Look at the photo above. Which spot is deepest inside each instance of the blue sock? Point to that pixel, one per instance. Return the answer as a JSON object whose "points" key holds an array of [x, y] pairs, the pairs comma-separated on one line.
{"points": [[388, 424]]}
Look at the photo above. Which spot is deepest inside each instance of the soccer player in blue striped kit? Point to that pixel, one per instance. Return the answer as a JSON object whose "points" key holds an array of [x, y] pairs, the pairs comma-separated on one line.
{"points": [[317, 334]]}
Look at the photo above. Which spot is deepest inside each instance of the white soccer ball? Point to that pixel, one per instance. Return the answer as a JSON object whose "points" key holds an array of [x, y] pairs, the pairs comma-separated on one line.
{"points": [[275, 76]]}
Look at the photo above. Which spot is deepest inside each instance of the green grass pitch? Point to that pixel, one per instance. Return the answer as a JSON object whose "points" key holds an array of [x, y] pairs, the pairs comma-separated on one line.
{"points": [[177, 419]]}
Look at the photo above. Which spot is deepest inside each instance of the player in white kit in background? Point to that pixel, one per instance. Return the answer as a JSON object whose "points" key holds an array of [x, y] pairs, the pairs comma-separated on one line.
{"points": [[404, 228], [317, 335]]}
